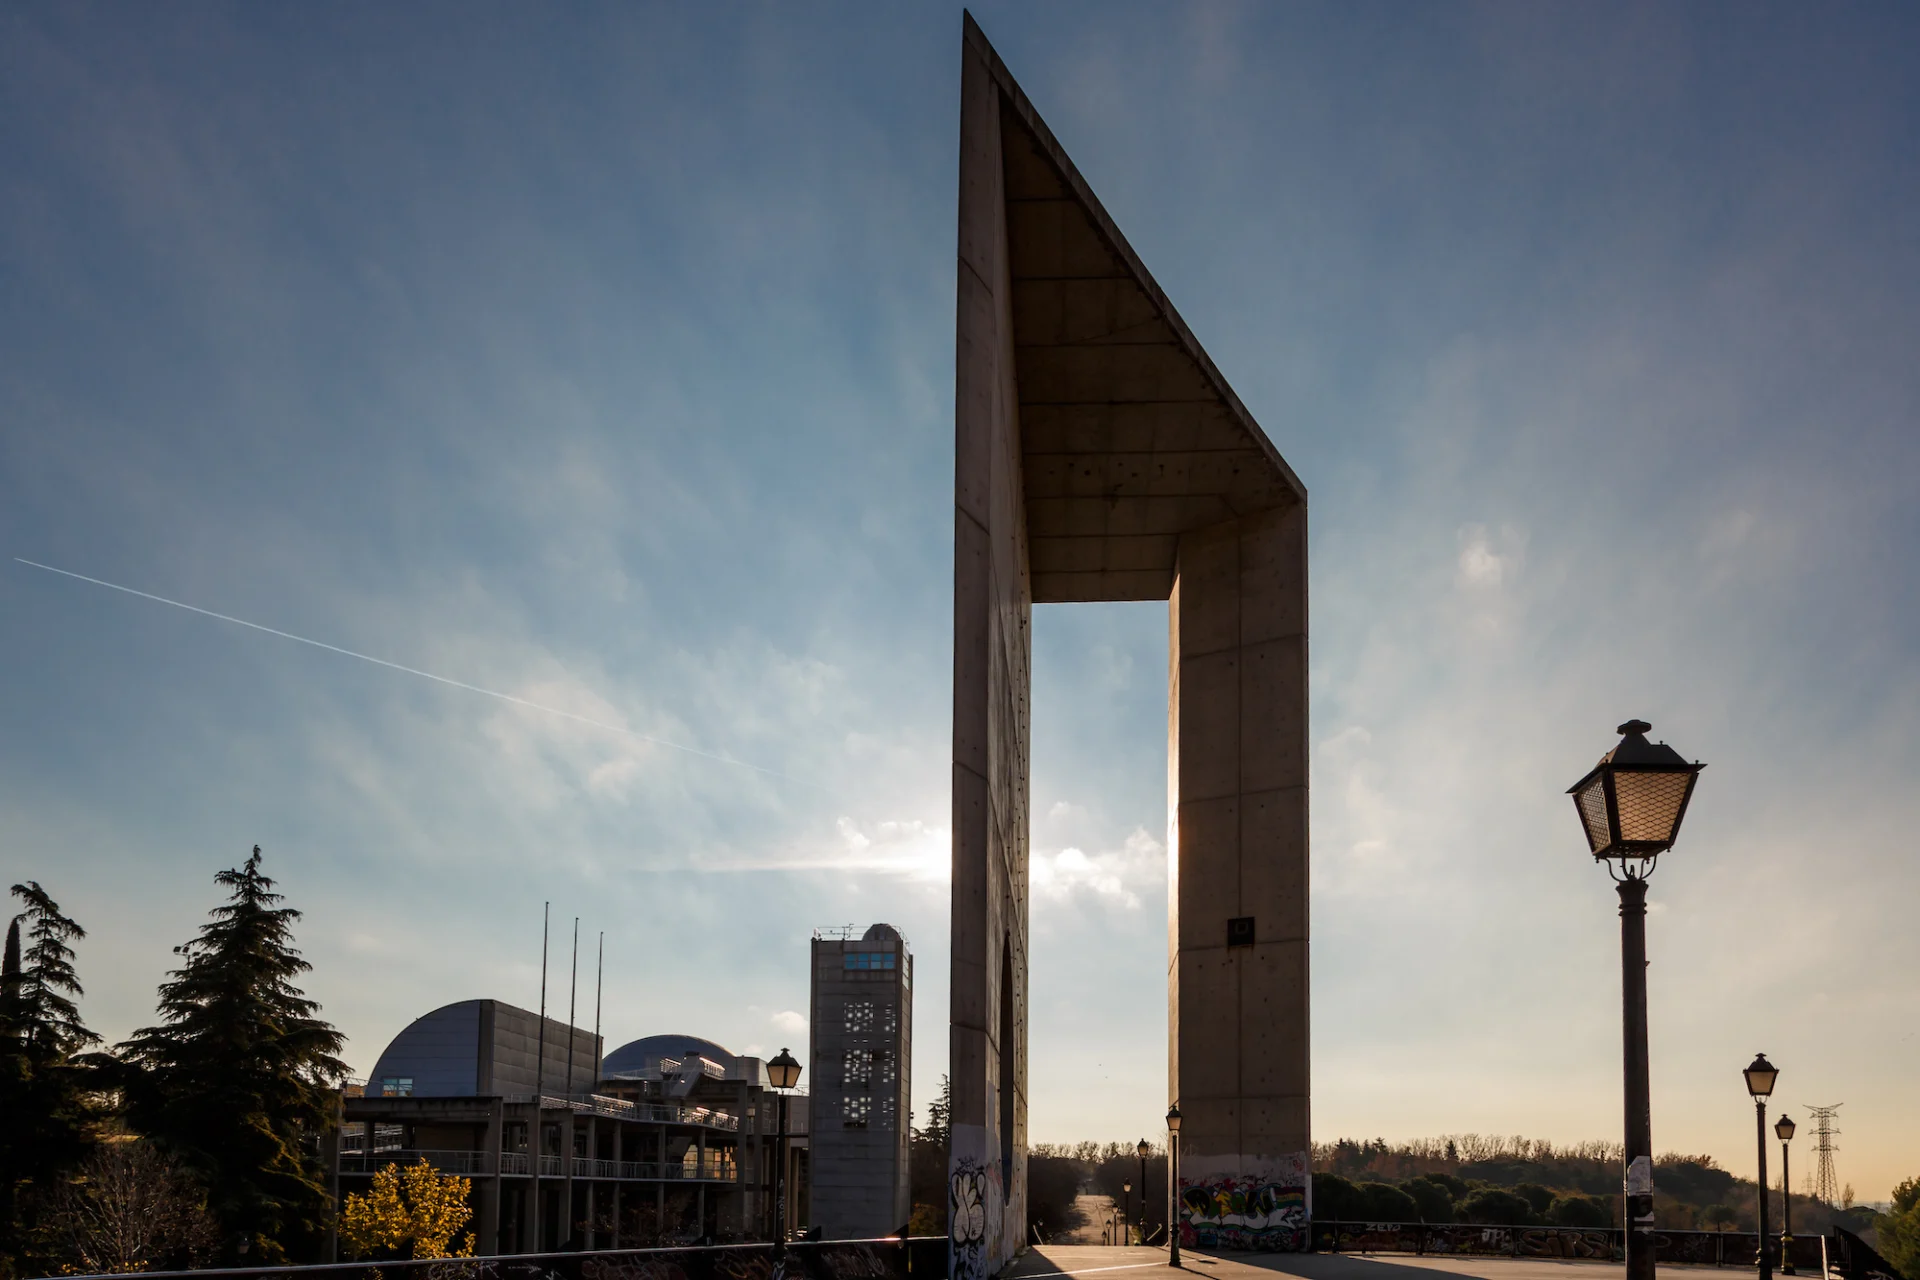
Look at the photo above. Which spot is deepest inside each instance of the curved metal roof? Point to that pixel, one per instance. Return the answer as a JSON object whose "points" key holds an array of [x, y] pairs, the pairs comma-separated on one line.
{"points": [[643, 1056]]}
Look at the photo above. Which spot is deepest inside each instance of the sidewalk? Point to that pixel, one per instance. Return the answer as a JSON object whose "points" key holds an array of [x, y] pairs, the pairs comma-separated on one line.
{"points": [[1151, 1264]]}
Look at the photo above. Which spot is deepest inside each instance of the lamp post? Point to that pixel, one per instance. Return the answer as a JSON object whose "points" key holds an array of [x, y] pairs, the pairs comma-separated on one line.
{"points": [[1631, 805], [1783, 1128], [1760, 1077], [1173, 1182], [784, 1073], [1126, 1208], [1143, 1151]]}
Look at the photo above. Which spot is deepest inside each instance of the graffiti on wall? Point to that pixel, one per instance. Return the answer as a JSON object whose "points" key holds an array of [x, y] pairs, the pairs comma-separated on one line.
{"points": [[1255, 1205], [969, 1200]]}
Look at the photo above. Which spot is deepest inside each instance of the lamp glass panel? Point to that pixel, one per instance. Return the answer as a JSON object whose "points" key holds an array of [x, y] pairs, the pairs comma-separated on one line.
{"points": [[1592, 801], [1784, 1128], [1649, 804], [1760, 1082]]}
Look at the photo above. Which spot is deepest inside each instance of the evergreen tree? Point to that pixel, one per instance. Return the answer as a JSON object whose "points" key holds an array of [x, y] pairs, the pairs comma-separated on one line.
{"points": [[46, 1095], [240, 1076], [10, 971]]}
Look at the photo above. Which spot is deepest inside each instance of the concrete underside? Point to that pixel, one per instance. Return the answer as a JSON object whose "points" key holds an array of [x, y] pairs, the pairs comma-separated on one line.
{"points": [[1099, 455]]}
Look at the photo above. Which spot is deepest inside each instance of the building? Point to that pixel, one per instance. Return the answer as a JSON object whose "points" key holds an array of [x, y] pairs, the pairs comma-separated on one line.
{"points": [[862, 1021], [672, 1139], [480, 1047]]}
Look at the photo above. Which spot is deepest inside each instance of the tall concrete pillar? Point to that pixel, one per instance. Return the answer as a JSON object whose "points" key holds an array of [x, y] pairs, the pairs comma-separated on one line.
{"points": [[992, 650], [489, 1180], [1237, 970]]}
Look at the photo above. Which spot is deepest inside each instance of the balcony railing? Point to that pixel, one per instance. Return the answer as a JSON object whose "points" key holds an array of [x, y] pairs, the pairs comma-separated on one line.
{"points": [[467, 1164], [621, 1109], [477, 1164]]}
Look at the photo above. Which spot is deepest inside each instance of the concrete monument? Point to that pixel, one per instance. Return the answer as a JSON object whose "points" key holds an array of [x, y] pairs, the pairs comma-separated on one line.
{"points": [[1099, 455]]}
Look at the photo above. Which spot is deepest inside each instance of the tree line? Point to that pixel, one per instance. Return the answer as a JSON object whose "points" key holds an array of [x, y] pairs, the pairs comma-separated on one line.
{"points": [[195, 1142], [1479, 1178], [1465, 1178]]}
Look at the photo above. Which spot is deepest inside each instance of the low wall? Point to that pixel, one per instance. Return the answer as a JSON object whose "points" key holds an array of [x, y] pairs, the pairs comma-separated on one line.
{"points": [[1704, 1248], [921, 1258]]}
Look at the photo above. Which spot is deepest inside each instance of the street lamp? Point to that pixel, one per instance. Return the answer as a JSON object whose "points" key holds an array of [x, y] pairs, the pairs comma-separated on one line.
{"points": [[1783, 1128], [1760, 1078], [1126, 1208], [1631, 805], [1143, 1151], [784, 1073], [1173, 1182]]}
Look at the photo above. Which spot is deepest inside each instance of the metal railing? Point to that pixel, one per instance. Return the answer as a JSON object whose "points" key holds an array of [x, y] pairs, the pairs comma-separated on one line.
{"points": [[621, 1109], [483, 1164], [920, 1258], [468, 1164], [1697, 1248]]}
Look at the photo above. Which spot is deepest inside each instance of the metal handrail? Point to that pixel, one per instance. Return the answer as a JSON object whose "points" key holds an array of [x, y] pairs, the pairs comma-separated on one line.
{"points": [[621, 1109], [464, 1163], [483, 1164]]}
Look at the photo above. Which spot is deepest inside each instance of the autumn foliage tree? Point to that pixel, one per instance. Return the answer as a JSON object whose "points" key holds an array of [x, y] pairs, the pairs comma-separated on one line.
{"points": [[239, 1076], [408, 1213]]}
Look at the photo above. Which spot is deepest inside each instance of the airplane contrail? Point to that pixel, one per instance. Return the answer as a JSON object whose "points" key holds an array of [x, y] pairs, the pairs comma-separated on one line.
{"points": [[412, 671]]}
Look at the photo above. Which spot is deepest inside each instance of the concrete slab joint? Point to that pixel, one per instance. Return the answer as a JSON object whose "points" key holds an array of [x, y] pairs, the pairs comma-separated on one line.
{"points": [[1100, 455]]}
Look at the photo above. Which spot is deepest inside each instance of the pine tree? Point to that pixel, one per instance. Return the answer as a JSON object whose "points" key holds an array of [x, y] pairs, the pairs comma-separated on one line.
{"points": [[46, 1094], [240, 1076]]}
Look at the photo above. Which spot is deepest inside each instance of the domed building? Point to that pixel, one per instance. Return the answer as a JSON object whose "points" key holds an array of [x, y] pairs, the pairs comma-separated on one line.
{"points": [[669, 1139]]}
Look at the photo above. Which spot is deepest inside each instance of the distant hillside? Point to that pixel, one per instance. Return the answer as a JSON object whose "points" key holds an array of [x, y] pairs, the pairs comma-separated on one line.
{"points": [[1471, 1177]]}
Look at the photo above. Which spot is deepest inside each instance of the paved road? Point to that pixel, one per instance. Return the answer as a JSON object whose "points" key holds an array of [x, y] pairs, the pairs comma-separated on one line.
{"points": [[1095, 1213], [1105, 1263]]}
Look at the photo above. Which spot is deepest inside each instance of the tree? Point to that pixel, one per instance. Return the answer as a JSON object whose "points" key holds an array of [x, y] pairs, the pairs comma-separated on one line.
{"points": [[1337, 1200], [46, 1095], [240, 1074], [1496, 1207], [1388, 1203], [1580, 1211], [927, 1165], [1538, 1198], [132, 1209], [10, 972], [1432, 1198], [1898, 1231], [1719, 1216], [411, 1213]]}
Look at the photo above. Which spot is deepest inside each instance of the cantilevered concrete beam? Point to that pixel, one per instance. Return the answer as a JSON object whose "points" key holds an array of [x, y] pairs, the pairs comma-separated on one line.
{"points": [[1099, 455]]}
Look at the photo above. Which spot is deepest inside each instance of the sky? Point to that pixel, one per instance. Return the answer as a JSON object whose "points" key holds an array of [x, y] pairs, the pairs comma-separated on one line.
{"points": [[601, 358]]}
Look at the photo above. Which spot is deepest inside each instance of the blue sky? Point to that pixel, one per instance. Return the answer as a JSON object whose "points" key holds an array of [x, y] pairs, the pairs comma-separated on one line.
{"points": [[603, 357]]}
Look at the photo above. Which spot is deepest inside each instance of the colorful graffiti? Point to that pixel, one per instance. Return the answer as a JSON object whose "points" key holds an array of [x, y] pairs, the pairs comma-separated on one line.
{"points": [[1266, 1210]]}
